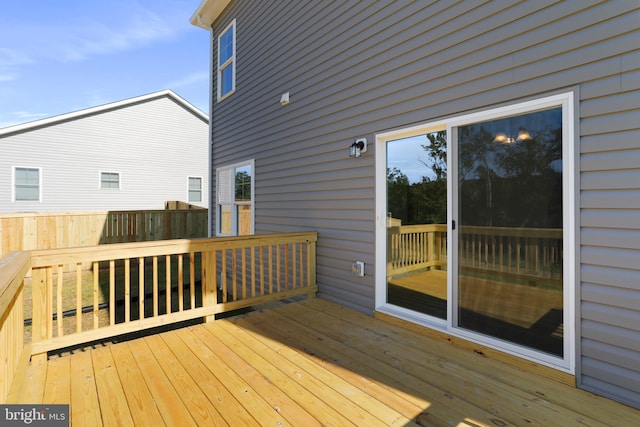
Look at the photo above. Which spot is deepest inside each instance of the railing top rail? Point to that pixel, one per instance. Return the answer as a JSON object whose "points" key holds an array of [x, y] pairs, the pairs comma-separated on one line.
{"points": [[549, 233], [13, 268], [415, 228], [48, 257]]}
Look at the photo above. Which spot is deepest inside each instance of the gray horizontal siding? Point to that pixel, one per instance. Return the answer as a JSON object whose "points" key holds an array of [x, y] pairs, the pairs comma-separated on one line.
{"points": [[358, 68]]}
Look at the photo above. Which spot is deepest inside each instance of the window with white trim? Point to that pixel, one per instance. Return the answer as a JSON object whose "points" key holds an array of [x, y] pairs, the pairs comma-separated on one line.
{"points": [[195, 189], [227, 61], [234, 199], [27, 184], [110, 180]]}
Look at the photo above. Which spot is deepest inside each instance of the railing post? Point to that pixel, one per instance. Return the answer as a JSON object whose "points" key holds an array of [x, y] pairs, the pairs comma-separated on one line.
{"points": [[41, 315], [210, 282]]}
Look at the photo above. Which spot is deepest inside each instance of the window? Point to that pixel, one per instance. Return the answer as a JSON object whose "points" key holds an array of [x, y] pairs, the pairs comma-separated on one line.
{"points": [[195, 189], [226, 61], [234, 206], [27, 184], [109, 180]]}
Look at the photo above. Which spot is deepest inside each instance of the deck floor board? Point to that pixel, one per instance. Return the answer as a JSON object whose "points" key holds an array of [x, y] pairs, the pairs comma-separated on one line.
{"points": [[305, 363]]}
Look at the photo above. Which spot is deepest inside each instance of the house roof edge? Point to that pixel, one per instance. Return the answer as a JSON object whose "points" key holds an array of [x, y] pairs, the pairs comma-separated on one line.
{"points": [[207, 13], [103, 108]]}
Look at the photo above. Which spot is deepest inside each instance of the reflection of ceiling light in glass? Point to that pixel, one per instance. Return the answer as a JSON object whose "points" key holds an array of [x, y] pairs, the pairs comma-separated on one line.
{"points": [[502, 137]]}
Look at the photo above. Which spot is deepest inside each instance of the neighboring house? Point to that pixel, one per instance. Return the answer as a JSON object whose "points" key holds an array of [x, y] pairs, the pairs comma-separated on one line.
{"points": [[129, 155], [498, 197]]}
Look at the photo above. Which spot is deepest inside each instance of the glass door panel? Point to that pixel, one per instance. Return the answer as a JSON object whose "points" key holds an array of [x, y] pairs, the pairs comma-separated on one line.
{"points": [[510, 229], [416, 223]]}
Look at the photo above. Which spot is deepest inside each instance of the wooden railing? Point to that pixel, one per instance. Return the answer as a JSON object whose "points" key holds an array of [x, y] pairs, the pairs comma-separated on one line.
{"points": [[510, 251], [522, 252], [13, 352], [137, 286], [416, 247]]}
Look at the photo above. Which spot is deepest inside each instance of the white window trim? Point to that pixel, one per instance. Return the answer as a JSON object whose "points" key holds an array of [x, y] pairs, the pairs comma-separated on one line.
{"points": [[570, 230], [109, 188], [232, 60], [215, 204], [201, 188], [13, 184]]}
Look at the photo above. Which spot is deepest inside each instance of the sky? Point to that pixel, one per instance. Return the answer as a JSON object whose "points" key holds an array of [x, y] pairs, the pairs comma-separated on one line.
{"points": [[67, 55]]}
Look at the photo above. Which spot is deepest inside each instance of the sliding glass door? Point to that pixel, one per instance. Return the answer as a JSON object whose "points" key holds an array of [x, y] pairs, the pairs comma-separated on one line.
{"points": [[476, 227]]}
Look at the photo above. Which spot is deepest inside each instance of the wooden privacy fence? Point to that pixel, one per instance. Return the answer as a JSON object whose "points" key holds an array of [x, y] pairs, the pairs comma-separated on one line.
{"points": [[145, 285], [509, 251], [20, 232]]}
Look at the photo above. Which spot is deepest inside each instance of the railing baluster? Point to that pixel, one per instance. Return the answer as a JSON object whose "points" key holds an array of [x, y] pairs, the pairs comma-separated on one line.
{"points": [[112, 292], [223, 274], [167, 283], [278, 281], [262, 276], [127, 290], [96, 294], [293, 266], [192, 280], [234, 275], [141, 288], [79, 302], [59, 309], [180, 283], [155, 290], [270, 267], [253, 271], [285, 248], [244, 273], [301, 269]]}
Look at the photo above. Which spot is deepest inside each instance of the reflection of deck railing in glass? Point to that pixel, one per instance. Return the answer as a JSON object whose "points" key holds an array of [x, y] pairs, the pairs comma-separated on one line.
{"points": [[508, 251], [416, 247]]}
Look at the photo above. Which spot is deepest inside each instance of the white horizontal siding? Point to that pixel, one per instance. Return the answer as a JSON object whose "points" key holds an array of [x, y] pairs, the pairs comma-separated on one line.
{"points": [[154, 146]]}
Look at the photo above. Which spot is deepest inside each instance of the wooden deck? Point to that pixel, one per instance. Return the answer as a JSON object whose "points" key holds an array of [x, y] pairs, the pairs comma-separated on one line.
{"points": [[302, 364]]}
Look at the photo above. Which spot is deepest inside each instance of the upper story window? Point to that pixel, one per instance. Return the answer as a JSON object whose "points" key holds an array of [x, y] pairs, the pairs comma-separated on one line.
{"points": [[195, 189], [235, 196], [109, 180], [27, 184], [227, 61]]}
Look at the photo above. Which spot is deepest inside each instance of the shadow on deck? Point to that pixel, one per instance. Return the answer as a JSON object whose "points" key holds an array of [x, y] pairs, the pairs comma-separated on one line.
{"points": [[304, 363]]}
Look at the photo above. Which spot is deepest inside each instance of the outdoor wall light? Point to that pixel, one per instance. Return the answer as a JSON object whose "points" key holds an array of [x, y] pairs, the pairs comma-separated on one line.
{"points": [[284, 99], [503, 138], [358, 147]]}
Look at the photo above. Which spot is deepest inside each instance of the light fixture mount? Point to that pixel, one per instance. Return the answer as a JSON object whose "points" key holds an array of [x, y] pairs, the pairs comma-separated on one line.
{"points": [[358, 147]]}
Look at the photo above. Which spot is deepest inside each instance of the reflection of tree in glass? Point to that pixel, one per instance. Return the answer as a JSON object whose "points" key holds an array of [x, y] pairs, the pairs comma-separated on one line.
{"points": [[243, 185], [437, 150], [423, 202], [511, 185], [474, 164]]}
